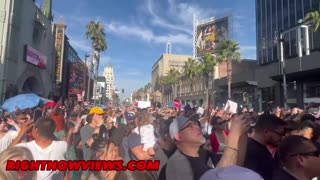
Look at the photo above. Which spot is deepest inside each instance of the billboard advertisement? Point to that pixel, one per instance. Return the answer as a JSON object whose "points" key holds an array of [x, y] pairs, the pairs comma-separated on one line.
{"points": [[76, 78], [210, 35], [34, 57], [60, 28]]}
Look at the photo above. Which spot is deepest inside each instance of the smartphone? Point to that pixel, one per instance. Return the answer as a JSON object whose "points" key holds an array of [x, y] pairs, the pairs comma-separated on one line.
{"points": [[37, 114]]}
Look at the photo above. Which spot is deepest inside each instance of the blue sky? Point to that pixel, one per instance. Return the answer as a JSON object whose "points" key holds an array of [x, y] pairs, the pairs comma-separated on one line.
{"points": [[137, 30]]}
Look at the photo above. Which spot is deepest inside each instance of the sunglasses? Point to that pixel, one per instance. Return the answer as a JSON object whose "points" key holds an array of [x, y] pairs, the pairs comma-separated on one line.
{"points": [[192, 124], [314, 154]]}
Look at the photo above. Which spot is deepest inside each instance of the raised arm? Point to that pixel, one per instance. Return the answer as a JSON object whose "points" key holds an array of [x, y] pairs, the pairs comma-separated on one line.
{"points": [[234, 152]]}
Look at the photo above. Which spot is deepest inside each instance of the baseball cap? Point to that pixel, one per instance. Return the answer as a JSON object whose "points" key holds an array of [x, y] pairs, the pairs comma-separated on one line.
{"points": [[84, 116], [178, 123], [230, 173], [96, 110]]}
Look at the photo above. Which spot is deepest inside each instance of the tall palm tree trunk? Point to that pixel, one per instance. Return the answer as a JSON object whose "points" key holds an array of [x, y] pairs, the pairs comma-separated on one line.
{"points": [[97, 56], [229, 69], [206, 79]]}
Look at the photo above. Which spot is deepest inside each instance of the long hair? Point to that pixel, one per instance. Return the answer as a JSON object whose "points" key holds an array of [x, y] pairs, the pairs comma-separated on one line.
{"points": [[10, 153]]}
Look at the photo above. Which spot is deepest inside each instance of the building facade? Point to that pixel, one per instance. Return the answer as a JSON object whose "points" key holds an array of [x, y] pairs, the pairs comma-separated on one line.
{"points": [[109, 77], [163, 66], [274, 16], [27, 56], [302, 73], [194, 90], [101, 90]]}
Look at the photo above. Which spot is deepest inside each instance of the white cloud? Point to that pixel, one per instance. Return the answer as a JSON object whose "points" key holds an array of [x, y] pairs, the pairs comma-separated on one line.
{"points": [[146, 34], [248, 48], [182, 13], [157, 20]]}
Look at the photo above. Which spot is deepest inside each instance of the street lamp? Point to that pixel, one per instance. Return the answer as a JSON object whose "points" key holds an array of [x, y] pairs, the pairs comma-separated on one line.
{"points": [[87, 72], [298, 27]]}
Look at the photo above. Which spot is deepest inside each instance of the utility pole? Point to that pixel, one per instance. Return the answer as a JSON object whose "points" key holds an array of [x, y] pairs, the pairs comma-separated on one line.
{"points": [[87, 72], [298, 27], [89, 79]]}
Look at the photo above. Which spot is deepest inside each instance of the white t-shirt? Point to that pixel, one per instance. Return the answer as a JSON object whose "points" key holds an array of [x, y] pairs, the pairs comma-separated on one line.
{"points": [[147, 136], [7, 139], [56, 151]]}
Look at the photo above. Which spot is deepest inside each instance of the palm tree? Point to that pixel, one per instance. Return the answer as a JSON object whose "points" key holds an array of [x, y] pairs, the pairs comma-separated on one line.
{"points": [[208, 62], [163, 80], [173, 77], [147, 87], [96, 32], [229, 51], [314, 18], [191, 70]]}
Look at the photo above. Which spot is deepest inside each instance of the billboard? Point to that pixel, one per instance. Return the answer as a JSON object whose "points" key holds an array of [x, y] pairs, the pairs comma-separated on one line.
{"points": [[210, 35], [34, 57], [60, 30], [77, 78]]}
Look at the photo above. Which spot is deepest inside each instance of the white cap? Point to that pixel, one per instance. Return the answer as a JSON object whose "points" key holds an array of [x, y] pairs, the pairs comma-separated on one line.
{"points": [[231, 173], [84, 116]]}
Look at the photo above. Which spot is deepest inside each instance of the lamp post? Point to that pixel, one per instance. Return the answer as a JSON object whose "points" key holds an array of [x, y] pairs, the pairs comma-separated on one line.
{"points": [[298, 27], [87, 73], [89, 79]]}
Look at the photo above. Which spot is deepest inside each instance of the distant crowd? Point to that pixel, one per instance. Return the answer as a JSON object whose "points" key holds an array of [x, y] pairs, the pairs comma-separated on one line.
{"points": [[191, 143]]}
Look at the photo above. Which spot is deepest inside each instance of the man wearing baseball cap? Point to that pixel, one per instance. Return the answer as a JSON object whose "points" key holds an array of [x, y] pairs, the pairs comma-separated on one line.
{"points": [[190, 161], [95, 120]]}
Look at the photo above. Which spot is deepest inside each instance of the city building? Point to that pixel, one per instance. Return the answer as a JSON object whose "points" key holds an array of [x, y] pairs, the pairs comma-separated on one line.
{"points": [[27, 53], [90, 78], [100, 90], [302, 73], [109, 76], [71, 72], [194, 90], [164, 64]]}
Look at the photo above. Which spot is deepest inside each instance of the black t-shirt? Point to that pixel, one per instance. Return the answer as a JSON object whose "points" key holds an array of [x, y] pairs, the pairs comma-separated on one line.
{"points": [[259, 159], [283, 175], [199, 164], [169, 153]]}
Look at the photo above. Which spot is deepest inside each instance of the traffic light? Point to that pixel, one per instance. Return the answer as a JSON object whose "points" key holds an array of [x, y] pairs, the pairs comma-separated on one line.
{"points": [[122, 90]]}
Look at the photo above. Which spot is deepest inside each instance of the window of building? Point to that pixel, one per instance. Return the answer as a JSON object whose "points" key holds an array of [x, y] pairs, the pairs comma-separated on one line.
{"points": [[258, 29], [285, 14], [306, 6], [312, 90], [286, 46], [293, 43], [292, 13], [299, 7], [315, 5], [279, 14], [269, 31]]}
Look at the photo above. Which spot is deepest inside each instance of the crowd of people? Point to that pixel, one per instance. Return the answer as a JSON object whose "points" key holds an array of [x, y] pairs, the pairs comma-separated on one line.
{"points": [[190, 143]]}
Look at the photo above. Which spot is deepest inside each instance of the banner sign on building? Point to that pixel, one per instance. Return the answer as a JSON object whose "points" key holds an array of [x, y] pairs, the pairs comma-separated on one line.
{"points": [[210, 35], [34, 57], [60, 31], [77, 78]]}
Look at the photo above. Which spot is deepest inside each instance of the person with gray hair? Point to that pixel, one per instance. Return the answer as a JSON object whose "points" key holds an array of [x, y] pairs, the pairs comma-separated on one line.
{"points": [[190, 161]]}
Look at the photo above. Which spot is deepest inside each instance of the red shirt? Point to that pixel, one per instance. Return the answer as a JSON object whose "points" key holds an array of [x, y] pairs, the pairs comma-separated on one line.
{"points": [[59, 119], [214, 141]]}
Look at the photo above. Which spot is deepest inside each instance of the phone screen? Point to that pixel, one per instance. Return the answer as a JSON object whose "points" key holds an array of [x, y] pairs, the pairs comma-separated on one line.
{"points": [[37, 114]]}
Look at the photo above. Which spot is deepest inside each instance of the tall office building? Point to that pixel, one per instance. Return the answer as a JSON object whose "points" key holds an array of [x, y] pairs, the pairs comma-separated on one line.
{"points": [[273, 16], [109, 75]]}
